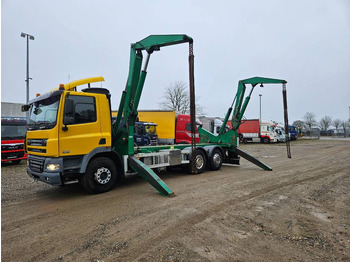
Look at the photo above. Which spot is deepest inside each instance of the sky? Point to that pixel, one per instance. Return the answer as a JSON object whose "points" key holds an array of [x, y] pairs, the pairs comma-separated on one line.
{"points": [[306, 43]]}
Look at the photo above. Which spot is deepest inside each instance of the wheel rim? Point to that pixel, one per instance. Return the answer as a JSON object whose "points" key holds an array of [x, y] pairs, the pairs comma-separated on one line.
{"points": [[199, 162], [102, 175], [217, 159]]}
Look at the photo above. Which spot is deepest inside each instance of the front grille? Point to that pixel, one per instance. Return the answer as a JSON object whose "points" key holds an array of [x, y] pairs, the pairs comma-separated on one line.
{"points": [[8, 147], [38, 150], [36, 164], [37, 142], [12, 155]]}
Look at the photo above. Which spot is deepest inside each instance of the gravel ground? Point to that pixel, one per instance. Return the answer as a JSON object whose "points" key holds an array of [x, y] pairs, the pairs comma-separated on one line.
{"points": [[298, 212]]}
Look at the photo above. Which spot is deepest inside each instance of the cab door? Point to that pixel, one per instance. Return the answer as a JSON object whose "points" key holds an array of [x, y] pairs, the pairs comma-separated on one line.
{"points": [[81, 132]]}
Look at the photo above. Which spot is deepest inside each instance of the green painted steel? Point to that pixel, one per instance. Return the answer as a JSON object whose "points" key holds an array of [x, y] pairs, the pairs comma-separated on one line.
{"points": [[147, 174], [154, 42], [252, 159], [123, 142], [229, 139], [123, 137], [239, 109], [263, 80]]}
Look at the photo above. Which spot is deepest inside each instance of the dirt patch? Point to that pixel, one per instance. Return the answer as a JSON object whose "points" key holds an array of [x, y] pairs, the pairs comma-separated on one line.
{"points": [[298, 212]]}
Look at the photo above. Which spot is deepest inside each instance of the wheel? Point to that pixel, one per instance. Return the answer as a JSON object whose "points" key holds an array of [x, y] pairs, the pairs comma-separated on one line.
{"points": [[216, 159], [16, 162], [266, 140], [100, 176], [200, 162]]}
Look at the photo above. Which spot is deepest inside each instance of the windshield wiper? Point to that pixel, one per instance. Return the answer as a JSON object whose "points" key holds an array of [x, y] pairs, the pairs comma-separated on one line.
{"points": [[46, 125]]}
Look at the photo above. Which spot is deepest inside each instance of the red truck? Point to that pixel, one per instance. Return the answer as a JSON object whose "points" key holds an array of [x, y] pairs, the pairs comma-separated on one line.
{"points": [[13, 133], [173, 128], [251, 130]]}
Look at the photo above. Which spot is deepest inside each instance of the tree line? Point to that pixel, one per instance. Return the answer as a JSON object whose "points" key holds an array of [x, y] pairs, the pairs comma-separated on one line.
{"points": [[324, 124]]}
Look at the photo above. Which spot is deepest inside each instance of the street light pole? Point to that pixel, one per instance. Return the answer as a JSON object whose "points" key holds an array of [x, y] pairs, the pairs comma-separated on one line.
{"points": [[29, 37], [260, 95]]}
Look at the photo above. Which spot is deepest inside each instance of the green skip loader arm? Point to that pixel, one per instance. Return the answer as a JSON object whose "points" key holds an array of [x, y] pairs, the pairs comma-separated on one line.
{"points": [[231, 137], [123, 140]]}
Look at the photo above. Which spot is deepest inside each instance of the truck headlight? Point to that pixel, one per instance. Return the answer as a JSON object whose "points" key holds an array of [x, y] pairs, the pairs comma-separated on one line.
{"points": [[52, 167]]}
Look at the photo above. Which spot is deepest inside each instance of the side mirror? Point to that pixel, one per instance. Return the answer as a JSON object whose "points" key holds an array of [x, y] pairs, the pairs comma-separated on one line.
{"points": [[25, 108], [68, 119], [68, 106]]}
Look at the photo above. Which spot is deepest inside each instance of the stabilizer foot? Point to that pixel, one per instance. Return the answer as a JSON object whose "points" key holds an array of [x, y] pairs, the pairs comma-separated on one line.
{"points": [[252, 159], [147, 174]]}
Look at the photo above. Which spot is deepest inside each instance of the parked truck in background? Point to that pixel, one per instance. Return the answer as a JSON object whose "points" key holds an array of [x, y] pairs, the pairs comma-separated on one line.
{"points": [[212, 124], [280, 133], [145, 133], [13, 132], [293, 133], [252, 130], [172, 127]]}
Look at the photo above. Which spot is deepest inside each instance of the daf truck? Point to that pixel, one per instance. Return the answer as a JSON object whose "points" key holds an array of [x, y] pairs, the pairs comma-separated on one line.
{"points": [[71, 139]]}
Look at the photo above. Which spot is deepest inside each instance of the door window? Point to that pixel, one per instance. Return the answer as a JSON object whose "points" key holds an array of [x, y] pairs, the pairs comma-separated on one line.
{"points": [[84, 109]]}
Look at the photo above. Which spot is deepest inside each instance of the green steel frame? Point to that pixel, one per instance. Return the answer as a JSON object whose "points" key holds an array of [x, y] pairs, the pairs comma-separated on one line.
{"points": [[123, 139]]}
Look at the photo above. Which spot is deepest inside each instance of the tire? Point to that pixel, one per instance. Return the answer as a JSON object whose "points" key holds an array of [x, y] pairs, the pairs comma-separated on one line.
{"points": [[200, 162], [216, 159], [100, 176], [265, 140], [16, 162]]}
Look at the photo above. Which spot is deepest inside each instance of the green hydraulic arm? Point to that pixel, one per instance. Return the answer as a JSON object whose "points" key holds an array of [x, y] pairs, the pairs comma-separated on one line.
{"points": [[231, 137], [131, 96], [239, 109], [123, 129]]}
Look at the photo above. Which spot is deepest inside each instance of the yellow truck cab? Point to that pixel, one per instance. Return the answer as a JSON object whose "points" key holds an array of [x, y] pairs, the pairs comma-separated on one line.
{"points": [[66, 130]]}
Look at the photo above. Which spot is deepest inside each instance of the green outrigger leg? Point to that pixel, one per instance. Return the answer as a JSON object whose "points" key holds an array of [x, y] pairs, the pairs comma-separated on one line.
{"points": [[147, 174], [252, 159]]}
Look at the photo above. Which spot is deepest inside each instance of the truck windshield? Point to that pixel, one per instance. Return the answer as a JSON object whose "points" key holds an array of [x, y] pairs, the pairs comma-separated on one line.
{"points": [[12, 131], [43, 113], [151, 130]]}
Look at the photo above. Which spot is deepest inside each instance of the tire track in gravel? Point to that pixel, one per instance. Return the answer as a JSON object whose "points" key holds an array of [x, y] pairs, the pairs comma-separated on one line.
{"points": [[135, 252]]}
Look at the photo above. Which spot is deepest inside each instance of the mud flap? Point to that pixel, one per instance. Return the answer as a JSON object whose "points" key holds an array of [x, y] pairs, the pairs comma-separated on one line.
{"points": [[147, 174], [252, 159]]}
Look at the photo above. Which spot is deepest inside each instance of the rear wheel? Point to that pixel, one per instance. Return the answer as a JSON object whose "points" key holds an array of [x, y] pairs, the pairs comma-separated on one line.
{"points": [[216, 159], [200, 162], [100, 176]]}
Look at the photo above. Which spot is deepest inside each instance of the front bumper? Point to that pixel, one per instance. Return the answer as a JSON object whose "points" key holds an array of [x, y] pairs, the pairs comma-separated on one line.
{"points": [[12, 156], [36, 169]]}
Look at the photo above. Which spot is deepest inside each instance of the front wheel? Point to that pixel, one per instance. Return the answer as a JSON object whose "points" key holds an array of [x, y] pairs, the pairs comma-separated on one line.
{"points": [[266, 140], [100, 176]]}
